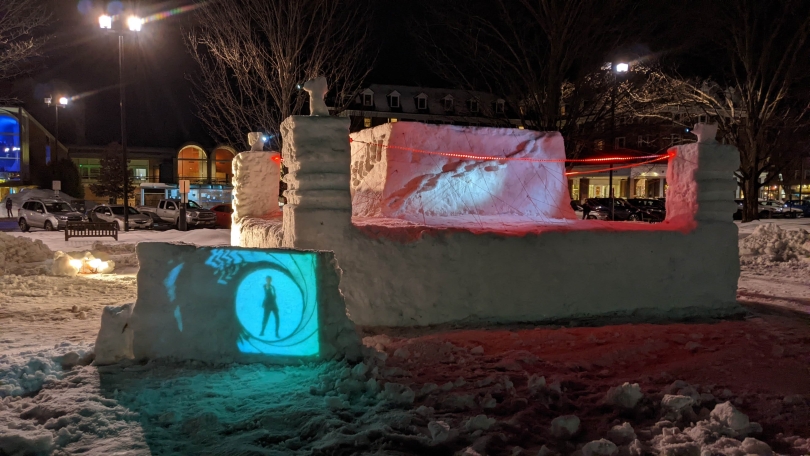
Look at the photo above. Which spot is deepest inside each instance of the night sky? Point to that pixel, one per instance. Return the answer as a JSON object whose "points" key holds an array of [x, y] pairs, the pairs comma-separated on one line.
{"points": [[83, 60]]}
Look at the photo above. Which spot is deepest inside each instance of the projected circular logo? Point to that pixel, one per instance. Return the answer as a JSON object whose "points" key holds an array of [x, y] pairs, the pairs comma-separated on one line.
{"points": [[270, 305]]}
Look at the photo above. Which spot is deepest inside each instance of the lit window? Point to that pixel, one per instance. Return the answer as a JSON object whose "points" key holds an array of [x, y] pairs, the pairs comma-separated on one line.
{"points": [[499, 106], [521, 127], [367, 122], [392, 120], [599, 145], [394, 101], [367, 100], [473, 105]]}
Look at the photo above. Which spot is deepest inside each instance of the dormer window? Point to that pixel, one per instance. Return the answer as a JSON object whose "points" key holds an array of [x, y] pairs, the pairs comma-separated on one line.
{"points": [[448, 103], [500, 106], [473, 105], [393, 99], [368, 98], [421, 101]]}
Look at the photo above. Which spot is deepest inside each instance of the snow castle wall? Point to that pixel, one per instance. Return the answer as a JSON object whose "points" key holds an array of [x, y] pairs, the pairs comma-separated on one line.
{"points": [[255, 196], [212, 304], [687, 266], [390, 178]]}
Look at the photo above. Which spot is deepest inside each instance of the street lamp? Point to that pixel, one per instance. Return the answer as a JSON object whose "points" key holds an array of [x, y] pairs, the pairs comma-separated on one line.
{"points": [[62, 103], [620, 68], [134, 24]]}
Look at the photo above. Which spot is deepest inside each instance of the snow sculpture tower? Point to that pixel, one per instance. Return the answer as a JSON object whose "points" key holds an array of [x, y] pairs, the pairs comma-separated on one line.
{"points": [[317, 154], [317, 89], [256, 177]]}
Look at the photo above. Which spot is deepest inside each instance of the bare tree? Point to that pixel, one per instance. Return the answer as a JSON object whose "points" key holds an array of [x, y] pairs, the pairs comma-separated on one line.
{"points": [[19, 20], [759, 104], [545, 56], [255, 54]]}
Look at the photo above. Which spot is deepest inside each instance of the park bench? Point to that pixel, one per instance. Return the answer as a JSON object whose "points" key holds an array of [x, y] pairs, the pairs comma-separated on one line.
{"points": [[91, 229]]}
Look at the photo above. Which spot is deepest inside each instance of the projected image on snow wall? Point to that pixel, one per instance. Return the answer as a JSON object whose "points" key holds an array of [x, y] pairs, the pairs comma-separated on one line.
{"points": [[274, 299]]}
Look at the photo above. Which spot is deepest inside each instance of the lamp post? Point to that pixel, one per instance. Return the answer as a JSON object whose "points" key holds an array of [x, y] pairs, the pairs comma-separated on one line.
{"points": [[62, 103], [134, 24], [620, 68]]}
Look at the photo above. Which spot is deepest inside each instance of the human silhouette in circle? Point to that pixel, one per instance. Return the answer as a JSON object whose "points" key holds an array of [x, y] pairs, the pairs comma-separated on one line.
{"points": [[270, 305]]}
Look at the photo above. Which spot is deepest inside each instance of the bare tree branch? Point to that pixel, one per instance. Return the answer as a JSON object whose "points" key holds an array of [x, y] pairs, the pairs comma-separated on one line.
{"points": [[19, 20], [253, 54]]}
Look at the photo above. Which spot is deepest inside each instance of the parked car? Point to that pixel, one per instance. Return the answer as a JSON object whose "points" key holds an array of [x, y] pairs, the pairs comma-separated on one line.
{"points": [[651, 210], [596, 214], [46, 214], [169, 210], [803, 206], [223, 213], [158, 224], [115, 213], [622, 211], [774, 209]]}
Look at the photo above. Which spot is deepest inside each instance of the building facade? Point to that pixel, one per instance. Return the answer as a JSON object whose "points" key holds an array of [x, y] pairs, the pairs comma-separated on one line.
{"points": [[25, 147]]}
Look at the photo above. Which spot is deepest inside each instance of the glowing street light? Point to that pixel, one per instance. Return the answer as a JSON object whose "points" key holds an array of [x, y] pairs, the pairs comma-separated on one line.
{"points": [[105, 22], [62, 102], [622, 67], [135, 23]]}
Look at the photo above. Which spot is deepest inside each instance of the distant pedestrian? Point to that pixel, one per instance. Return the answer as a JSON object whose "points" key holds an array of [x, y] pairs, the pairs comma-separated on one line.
{"points": [[585, 211], [8, 208]]}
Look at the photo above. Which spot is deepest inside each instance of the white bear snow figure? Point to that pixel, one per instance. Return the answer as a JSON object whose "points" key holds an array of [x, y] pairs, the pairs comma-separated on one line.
{"points": [[706, 133], [317, 90]]}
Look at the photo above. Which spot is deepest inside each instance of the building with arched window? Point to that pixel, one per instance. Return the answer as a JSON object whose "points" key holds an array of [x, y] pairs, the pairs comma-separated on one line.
{"points": [[192, 164], [222, 170]]}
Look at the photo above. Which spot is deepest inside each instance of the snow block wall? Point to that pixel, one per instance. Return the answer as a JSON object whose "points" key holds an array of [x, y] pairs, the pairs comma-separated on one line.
{"points": [[390, 178], [226, 304], [256, 177], [685, 267]]}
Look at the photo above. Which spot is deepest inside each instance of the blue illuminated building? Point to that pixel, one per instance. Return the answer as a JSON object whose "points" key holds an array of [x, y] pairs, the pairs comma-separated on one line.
{"points": [[25, 147]]}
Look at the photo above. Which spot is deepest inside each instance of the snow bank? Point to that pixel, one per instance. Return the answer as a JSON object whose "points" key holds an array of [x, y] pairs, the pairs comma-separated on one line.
{"points": [[388, 179], [256, 177], [773, 243], [213, 304], [19, 250]]}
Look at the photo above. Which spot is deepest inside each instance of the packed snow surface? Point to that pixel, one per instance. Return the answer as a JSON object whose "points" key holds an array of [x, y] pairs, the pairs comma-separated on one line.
{"points": [[15, 250]]}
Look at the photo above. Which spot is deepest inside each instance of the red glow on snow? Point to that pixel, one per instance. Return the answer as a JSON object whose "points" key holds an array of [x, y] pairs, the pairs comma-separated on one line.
{"points": [[276, 158], [469, 156]]}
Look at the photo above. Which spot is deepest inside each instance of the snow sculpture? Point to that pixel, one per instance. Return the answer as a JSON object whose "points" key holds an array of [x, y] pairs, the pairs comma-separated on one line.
{"points": [[317, 91], [411, 273], [317, 155], [256, 177], [256, 140], [391, 179], [223, 304], [706, 133]]}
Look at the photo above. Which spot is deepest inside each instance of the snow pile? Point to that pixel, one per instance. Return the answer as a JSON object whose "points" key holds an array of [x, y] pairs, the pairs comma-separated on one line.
{"points": [[114, 341], [773, 243], [15, 251], [390, 179], [24, 373]]}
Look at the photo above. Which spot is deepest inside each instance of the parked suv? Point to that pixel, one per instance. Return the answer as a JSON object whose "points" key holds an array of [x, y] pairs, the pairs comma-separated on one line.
{"points": [[651, 210], [47, 214], [169, 210], [622, 211]]}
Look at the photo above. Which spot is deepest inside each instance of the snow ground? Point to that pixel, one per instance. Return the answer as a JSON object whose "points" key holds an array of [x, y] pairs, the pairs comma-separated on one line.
{"points": [[418, 391]]}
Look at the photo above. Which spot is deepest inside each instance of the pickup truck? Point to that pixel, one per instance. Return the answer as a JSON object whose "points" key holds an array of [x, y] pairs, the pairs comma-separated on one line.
{"points": [[169, 211]]}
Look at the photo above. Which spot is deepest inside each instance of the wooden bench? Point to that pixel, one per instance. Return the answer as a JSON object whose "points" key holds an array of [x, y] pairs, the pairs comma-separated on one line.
{"points": [[91, 229]]}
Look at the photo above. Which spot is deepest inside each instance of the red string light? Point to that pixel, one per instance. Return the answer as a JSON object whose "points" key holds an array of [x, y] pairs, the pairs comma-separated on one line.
{"points": [[468, 156], [603, 170]]}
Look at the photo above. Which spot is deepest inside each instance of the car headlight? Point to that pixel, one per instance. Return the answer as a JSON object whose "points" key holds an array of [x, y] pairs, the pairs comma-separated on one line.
{"points": [[61, 217]]}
